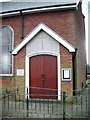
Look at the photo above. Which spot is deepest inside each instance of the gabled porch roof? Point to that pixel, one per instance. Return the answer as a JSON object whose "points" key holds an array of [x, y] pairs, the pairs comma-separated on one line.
{"points": [[49, 31]]}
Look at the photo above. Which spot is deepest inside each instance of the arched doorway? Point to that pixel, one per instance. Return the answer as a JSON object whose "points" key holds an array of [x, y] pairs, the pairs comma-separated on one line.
{"points": [[43, 77]]}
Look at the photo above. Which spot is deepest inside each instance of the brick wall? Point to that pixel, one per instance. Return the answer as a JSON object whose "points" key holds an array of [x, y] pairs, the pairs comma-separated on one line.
{"points": [[19, 63], [66, 62], [81, 50], [63, 23], [7, 83]]}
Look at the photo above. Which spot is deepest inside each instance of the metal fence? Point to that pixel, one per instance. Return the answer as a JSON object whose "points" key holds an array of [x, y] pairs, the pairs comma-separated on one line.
{"points": [[16, 105]]}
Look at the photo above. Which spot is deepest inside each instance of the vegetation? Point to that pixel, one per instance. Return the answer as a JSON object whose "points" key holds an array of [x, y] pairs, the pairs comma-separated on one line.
{"points": [[88, 81]]}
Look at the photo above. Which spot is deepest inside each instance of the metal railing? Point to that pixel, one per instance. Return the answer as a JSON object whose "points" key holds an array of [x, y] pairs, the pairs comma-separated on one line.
{"points": [[16, 105]]}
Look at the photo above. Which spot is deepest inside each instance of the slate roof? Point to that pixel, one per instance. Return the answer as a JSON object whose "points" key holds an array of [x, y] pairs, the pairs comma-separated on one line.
{"points": [[14, 6]]}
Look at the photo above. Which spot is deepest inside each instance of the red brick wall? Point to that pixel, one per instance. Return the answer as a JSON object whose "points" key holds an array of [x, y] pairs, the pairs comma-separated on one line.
{"points": [[7, 82], [63, 23], [81, 50], [19, 63], [66, 62]]}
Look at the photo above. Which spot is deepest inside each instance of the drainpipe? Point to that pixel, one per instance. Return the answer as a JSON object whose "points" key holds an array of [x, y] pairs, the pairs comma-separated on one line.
{"points": [[22, 25], [74, 71]]}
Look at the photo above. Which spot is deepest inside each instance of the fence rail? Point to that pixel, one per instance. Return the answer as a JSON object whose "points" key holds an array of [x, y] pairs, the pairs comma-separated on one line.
{"points": [[16, 105]]}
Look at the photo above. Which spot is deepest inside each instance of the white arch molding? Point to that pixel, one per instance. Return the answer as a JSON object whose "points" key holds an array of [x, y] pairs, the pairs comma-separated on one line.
{"points": [[27, 70], [12, 38]]}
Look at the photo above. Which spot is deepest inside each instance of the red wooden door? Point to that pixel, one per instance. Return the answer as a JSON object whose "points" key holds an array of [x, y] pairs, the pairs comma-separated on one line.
{"points": [[43, 75]]}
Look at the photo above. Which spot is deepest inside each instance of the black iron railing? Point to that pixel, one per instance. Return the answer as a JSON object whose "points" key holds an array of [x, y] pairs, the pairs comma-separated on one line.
{"points": [[17, 105]]}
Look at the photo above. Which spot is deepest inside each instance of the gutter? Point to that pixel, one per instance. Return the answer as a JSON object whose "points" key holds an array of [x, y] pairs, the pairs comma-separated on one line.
{"points": [[37, 10]]}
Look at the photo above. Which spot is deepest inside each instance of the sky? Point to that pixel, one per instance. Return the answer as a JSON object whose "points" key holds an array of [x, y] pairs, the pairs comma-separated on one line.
{"points": [[85, 12]]}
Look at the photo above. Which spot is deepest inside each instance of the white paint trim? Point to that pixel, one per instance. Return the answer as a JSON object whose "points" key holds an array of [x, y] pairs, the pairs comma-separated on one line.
{"points": [[68, 80], [26, 75], [9, 14], [12, 48], [41, 53], [58, 66], [6, 75], [59, 78], [41, 10], [50, 9], [47, 30]]}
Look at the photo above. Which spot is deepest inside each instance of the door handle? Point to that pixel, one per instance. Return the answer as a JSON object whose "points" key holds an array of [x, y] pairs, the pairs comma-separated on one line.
{"points": [[42, 77]]}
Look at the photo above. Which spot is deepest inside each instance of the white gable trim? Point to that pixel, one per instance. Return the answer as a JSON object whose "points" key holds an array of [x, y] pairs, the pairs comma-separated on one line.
{"points": [[47, 30], [28, 72]]}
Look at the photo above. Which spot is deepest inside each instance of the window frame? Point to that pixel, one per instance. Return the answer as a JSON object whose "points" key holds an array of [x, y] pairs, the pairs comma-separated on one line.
{"points": [[69, 78], [12, 49]]}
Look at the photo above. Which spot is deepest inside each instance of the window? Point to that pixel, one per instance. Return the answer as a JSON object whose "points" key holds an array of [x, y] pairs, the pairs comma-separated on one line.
{"points": [[6, 36]]}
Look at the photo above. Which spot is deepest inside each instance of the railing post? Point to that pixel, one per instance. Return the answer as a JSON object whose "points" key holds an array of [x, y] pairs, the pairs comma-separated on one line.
{"points": [[27, 99], [64, 105], [6, 90], [17, 90]]}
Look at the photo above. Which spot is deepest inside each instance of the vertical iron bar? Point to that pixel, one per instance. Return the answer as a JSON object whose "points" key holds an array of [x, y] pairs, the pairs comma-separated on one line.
{"points": [[31, 104], [15, 102], [8, 101], [64, 105], [31, 107], [19, 101], [52, 106], [40, 105], [23, 101], [86, 103], [23, 104], [35, 104], [56, 107], [6, 90], [12, 99], [81, 105], [27, 100], [48, 106], [58, 104], [72, 106], [76, 105], [43, 105], [17, 90], [4, 100]]}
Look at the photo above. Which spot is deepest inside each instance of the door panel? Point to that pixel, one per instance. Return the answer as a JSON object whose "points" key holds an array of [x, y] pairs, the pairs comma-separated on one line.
{"points": [[43, 74]]}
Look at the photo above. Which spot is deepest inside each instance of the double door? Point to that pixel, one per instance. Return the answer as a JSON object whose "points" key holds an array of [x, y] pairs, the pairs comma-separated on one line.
{"points": [[43, 77]]}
